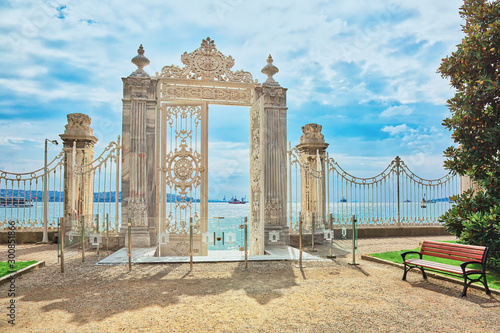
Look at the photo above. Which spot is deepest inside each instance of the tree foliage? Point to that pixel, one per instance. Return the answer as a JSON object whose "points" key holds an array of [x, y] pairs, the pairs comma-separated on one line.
{"points": [[474, 71]]}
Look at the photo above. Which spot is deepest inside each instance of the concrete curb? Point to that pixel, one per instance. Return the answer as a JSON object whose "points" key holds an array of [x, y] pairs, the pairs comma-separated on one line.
{"points": [[20, 272], [368, 257]]}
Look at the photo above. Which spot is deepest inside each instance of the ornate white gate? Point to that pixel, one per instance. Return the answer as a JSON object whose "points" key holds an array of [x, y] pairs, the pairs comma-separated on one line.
{"points": [[183, 178], [173, 131]]}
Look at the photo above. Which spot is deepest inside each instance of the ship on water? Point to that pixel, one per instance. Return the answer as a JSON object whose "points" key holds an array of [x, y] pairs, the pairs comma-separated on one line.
{"points": [[235, 201], [15, 202]]}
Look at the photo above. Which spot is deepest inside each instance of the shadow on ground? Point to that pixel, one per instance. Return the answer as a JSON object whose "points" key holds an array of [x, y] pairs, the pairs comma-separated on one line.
{"points": [[112, 290]]}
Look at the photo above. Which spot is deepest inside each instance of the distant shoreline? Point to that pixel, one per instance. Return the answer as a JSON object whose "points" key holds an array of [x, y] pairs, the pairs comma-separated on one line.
{"points": [[57, 196]]}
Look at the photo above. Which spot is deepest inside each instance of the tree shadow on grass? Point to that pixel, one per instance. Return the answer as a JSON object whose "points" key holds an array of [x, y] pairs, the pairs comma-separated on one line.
{"points": [[111, 290]]}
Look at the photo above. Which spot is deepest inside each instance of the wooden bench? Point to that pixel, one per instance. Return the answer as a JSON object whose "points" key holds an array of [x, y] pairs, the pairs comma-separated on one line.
{"points": [[468, 254]]}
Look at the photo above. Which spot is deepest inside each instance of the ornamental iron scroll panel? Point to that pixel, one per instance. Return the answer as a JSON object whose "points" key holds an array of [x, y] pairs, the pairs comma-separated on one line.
{"points": [[396, 196], [96, 189], [21, 196], [183, 162]]}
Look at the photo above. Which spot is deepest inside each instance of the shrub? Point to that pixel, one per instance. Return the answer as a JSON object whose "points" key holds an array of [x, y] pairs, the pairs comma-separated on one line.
{"points": [[475, 219]]}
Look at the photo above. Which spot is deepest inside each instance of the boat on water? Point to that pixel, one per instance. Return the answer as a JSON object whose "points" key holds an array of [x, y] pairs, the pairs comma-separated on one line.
{"points": [[235, 201], [15, 202], [423, 204]]}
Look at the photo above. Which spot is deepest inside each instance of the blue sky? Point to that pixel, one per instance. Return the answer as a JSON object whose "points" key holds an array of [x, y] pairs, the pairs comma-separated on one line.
{"points": [[364, 70]]}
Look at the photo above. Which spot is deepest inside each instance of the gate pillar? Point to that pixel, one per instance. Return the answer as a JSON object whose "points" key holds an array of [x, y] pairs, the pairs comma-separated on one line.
{"points": [[78, 145], [274, 158], [138, 173], [312, 177]]}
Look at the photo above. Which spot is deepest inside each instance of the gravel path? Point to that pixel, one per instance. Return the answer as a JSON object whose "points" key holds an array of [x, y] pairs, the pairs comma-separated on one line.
{"points": [[330, 296]]}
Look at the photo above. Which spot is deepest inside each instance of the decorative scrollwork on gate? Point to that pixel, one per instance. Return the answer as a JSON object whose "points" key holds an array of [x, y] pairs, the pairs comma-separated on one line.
{"points": [[207, 64], [182, 167]]}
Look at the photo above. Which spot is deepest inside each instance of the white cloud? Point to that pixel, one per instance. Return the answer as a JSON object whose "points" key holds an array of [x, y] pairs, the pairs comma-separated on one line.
{"points": [[335, 53], [399, 110], [395, 130]]}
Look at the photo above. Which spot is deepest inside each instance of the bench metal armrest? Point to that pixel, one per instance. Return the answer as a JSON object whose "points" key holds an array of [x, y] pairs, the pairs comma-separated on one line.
{"points": [[464, 265], [404, 254]]}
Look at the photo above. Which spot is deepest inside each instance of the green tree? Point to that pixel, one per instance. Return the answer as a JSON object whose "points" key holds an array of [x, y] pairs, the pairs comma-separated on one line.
{"points": [[474, 71]]}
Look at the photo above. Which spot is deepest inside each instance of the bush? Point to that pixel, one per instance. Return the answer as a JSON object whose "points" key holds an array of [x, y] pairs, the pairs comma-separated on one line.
{"points": [[475, 220]]}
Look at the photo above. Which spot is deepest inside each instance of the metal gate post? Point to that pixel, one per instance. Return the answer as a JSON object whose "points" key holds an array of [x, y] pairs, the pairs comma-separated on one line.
{"points": [[398, 170], [354, 232]]}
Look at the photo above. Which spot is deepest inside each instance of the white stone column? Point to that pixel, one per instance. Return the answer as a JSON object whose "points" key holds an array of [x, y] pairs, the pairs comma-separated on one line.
{"points": [[466, 184], [78, 145], [138, 168], [274, 158], [312, 177]]}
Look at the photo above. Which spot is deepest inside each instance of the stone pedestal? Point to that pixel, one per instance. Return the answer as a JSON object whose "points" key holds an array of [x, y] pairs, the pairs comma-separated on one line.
{"points": [[466, 184], [273, 158], [312, 148], [138, 173], [78, 145]]}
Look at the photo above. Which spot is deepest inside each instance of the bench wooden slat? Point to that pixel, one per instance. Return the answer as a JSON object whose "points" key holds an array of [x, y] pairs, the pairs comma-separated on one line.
{"points": [[465, 246], [459, 253], [455, 250], [452, 251], [440, 266], [448, 256], [456, 247]]}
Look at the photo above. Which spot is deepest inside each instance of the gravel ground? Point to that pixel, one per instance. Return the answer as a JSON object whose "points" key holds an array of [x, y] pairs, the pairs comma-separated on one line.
{"points": [[329, 296]]}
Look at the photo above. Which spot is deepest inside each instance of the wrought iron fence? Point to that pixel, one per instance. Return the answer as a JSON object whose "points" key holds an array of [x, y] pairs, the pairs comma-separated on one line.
{"points": [[96, 187], [394, 197], [22, 196]]}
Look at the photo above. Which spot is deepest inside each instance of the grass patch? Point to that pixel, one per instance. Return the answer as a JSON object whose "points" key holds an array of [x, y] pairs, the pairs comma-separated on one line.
{"points": [[6, 270], [493, 277]]}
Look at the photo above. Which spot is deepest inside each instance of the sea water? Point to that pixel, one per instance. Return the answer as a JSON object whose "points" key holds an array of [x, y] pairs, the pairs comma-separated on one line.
{"points": [[220, 213], [226, 221]]}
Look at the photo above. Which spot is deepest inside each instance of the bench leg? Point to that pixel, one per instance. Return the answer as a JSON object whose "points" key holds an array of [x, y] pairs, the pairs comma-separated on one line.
{"points": [[481, 279], [407, 269], [486, 289], [423, 273], [466, 285]]}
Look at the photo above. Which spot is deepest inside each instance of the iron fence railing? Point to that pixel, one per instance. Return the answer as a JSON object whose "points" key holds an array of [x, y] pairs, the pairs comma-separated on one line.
{"points": [[394, 197]]}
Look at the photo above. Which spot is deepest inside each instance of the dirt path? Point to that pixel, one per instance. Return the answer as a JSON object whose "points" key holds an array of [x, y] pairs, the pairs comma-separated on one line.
{"points": [[329, 296]]}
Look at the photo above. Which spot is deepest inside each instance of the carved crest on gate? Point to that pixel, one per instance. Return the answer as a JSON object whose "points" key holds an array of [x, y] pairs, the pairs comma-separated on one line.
{"points": [[207, 64]]}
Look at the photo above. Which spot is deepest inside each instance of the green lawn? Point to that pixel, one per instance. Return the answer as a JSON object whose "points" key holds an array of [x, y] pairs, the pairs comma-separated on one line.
{"points": [[5, 267], [493, 277]]}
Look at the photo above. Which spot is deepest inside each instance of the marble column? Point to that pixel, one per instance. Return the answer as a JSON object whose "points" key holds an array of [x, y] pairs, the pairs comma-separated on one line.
{"points": [[78, 145], [274, 158], [312, 147], [138, 173]]}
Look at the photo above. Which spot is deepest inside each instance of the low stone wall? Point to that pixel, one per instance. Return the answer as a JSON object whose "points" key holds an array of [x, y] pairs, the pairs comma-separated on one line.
{"points": [[28, 236], [372, 232]]}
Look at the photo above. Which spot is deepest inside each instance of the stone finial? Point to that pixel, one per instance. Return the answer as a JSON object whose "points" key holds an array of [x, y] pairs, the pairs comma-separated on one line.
{"points": [[312, 141], [312, 134], [270, 70], [78, 129], [78, 124], [140, 61]]}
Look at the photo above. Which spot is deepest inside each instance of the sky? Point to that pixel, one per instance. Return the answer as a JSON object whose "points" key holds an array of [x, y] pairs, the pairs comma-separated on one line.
{"points": [[364, 70]]}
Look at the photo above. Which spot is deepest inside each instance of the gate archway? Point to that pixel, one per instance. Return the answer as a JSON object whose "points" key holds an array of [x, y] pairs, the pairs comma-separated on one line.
{"points": [[165, 139]]}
